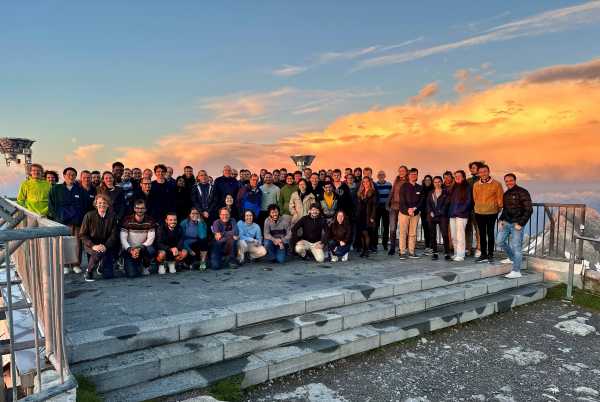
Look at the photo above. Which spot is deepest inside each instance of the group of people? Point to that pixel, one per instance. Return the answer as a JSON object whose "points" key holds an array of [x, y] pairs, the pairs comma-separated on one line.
{"points": [[149, 219]]}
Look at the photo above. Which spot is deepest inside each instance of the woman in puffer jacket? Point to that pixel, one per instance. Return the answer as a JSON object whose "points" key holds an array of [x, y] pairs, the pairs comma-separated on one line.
{"points": [[301, 201]]}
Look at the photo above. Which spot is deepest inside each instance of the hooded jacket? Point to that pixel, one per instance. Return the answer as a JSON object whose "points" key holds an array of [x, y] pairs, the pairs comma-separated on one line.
{"points": [[249, 199]]}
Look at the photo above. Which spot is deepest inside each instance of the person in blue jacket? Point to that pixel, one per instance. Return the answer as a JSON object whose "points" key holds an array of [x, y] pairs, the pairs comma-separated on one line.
{"points": [[461, 203], [195, 238], [250, 239], [250, 197]]}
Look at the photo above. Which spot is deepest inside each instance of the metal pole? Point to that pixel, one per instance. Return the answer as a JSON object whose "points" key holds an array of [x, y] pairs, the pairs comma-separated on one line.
{"points": [[11, 328], [34, 273], [571, 271], [581, 230]]}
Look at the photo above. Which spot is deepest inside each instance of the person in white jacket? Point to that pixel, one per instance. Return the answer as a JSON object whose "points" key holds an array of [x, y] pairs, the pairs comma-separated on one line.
{"points": [[300, 201]]}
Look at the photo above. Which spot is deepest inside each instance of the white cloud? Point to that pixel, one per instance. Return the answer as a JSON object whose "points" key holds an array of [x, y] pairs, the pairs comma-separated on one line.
{"points": [[289, 71], [550, 21]]}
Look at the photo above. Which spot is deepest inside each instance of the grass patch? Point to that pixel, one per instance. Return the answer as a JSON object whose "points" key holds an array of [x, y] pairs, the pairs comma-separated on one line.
{"points": [[86, 390], [229, 389], [580, 298]]}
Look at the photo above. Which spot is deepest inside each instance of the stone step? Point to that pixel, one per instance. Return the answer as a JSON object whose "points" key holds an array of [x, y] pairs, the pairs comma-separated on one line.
{"points": [[108, 372], [100, 342], [283, 360]]}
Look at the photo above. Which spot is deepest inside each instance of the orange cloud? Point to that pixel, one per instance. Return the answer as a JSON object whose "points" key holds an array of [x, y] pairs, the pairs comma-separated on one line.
{"points": [[426, 92], [546, 130]]}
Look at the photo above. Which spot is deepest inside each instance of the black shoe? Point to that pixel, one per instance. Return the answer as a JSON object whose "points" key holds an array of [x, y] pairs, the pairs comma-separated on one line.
{"points": [[483, 258], [403, 256], [89, 277], [435, 257], [385, 248], [448, 257], [413, 256], [392, 251], [491, 260]]}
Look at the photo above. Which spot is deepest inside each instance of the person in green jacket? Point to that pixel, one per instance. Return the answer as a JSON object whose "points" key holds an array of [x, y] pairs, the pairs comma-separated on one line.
{"points": [[33, 193], [286, 194]]}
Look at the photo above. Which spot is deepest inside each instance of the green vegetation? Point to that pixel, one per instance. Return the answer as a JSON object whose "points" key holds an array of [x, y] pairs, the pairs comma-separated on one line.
{"points": [[580, 298], [86, 390], [229, 389]]}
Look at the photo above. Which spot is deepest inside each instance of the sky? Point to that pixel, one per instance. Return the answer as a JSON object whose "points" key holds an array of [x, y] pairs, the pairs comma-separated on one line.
{"points": [[380, 84]]}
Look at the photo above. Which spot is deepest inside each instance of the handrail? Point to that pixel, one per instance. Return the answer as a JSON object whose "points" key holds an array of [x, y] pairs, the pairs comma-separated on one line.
{"points": [[571, 277]]}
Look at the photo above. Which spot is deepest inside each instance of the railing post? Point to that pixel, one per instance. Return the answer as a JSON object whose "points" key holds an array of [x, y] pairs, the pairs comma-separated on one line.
{"points": [[11, 324], [571, 270], [581, 233]]}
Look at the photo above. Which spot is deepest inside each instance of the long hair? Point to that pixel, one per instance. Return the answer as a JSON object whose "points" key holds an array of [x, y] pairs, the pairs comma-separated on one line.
{"points": [[363, 191], [461, 189]]}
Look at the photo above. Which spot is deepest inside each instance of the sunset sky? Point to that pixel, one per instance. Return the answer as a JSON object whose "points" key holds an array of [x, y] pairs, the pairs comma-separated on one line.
{"points": [[516, 83]]}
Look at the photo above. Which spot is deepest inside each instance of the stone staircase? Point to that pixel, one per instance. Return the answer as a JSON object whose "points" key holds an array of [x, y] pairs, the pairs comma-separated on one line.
{"points": [[263, 340]]}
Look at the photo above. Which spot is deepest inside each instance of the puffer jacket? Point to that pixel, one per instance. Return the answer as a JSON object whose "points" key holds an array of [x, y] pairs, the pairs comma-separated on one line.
{"points": [[517, 206], [299, 207]]}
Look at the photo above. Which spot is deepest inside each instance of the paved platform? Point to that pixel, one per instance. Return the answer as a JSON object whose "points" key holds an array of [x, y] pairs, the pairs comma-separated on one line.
{"points": [[119, 301]]}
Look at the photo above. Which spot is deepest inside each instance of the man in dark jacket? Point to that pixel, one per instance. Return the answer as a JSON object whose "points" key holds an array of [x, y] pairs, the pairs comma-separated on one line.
{"points": [[100, 238], [67, 204], [85, 181], [203, 197], [226, 184], [169, 244], [162, 195], [411, 204], [314, 234], [343, 193], [515, 215]]}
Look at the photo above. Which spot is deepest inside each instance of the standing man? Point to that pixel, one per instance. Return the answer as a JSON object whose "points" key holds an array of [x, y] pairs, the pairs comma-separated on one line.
{"points": [[487, 196], [471, 223], [96, 178], [33, 193], [411, 203], [169, 176], [270, 195], [382, 217], [226, 184], [285, 195], [188, 176], [162, 195], [343, 193], [394, 205], [117, 171], [67, 203], [85, 180], [515, 215]]}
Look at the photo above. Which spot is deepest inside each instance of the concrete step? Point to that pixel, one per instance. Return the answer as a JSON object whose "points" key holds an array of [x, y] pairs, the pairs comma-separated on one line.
{"points": [[100, 342], [110, 372], [283, 360]]}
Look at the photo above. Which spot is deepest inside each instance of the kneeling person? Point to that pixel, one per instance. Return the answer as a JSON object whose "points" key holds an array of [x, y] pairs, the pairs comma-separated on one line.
{"points": [[195, 237], [277, 234], [314, 234], [138, 232], [169, 242], [250, 238], [226, 237], [339, 237]]}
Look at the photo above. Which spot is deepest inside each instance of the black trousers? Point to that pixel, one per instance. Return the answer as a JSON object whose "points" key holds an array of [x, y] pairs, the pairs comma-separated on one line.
{"points": [[426, 230], [382, 220], [487, 229], [443, 222]]}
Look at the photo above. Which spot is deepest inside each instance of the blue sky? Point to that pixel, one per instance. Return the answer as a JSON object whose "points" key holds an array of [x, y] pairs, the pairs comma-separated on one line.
{"points": [[129, 73]]}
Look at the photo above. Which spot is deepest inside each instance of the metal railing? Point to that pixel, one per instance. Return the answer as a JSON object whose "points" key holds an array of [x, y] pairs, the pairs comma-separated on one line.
{"points": [[32, 292], [577, 244]]}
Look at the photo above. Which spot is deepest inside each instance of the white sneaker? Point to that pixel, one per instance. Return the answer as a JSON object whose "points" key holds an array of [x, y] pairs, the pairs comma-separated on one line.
{"points": [[77, 269], [146, 271], [172, 269], [477, 253], [345, 257], [334, 258], [513, 275], [506, 261], [458, 259], [66, 270], [161, 269]]}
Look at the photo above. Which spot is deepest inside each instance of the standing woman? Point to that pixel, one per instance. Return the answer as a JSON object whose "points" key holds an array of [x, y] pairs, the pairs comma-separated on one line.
{"points": [[461, 200], [183, 199], [427, 185], [437, 214], [367, 210], [300, 201]]}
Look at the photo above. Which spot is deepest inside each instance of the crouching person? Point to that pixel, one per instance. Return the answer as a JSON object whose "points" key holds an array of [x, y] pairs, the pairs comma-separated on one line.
{"points": [[98, 234], [195, 239], [250, 239], [138, 232], [277, 235], [226, 237], [169, 243], [314, 234], [339, 237]]}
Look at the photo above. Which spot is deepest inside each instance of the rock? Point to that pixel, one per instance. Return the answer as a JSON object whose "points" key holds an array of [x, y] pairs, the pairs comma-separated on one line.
{"points": [[576, 326]]}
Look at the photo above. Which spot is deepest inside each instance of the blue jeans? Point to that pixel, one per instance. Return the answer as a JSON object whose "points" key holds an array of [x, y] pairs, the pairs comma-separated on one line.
{"points": [[337, 250], [275, 253], [513, 247], [220, 249]]}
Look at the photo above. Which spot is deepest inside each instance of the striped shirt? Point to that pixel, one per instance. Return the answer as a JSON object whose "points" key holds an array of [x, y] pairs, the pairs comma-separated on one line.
{"points": [[383, 191]]}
